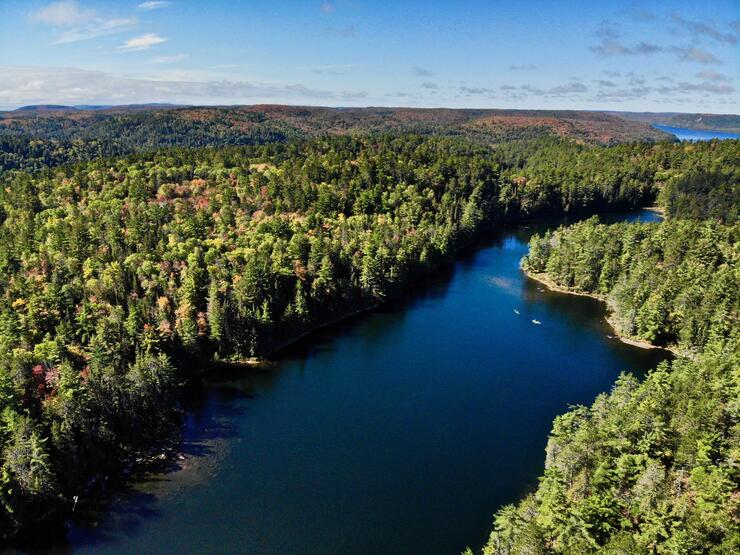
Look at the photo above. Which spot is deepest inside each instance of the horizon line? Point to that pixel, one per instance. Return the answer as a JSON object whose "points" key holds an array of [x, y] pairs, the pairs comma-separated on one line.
{"points": [[100, 107]]}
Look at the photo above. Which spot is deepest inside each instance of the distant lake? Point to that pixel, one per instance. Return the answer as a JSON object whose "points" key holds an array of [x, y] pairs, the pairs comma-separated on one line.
{"points": [[400, 431], [684, 134]]}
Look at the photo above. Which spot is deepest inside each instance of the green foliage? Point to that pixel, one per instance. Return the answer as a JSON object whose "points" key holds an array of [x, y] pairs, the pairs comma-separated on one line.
{"points": [[673, 283], [705, 193], [650, 467]]}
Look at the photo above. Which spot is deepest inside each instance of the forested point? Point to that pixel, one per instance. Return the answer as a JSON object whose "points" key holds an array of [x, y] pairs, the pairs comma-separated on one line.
{"points": [[650, 467], [122, 274], [669, 284]]}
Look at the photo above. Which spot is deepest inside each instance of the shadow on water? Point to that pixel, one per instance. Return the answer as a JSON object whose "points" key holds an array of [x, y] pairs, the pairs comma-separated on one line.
{"points": [[372, 325]]}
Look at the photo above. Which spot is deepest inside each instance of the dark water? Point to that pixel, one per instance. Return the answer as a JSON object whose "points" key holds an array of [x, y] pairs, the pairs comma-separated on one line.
{"points": [[401, 431], [696, 134]]}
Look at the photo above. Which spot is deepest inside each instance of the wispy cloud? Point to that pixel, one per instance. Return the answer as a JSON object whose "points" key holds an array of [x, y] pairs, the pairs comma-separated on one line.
{"points": [[640, 14], [336, 69], [612, 47], [429, 85], [607, 30], [348, 31], [527, 67], [63, 14], [168, 59], [154, 5], [74, 23], [568, 88], [711, 75], [229, 66], [142, 42], [37, 85], [693, 54], [422, 71], [699, 28], [327, 8], [477, 91], [712, 86]]}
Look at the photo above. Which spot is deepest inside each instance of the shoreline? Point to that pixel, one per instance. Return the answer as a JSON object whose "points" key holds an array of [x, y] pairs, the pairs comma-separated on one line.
{"points": [[618, 334], [267, 359]]}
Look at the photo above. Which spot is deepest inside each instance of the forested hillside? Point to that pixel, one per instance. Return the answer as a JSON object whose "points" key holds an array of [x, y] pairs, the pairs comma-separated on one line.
{"points": [[650, 467], [64, 135]]}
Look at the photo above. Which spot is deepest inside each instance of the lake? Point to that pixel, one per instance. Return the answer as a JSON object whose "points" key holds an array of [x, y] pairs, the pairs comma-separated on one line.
{"points": [[684, 134], [400, 431]]}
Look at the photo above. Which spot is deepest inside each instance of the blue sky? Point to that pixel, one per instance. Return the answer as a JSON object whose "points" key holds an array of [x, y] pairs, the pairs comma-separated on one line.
{"points": [[656, 56]]}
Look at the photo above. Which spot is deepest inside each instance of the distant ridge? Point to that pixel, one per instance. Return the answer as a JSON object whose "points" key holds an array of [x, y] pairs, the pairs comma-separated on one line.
{"points": [[152, 125], [94, 107], [44, 108]]}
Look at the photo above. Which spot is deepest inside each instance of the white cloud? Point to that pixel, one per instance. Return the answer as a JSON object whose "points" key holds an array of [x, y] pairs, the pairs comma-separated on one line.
{"points": [[229, 66], [153, 5], [99, 29], [568, 89], [63, 14], [335, 69], [168, 59], [142, 42], [74, 23], [40, 85]]}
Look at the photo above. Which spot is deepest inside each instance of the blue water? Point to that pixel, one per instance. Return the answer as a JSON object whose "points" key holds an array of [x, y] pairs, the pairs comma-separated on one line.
{"points": [[400, 431], [695, 134]]}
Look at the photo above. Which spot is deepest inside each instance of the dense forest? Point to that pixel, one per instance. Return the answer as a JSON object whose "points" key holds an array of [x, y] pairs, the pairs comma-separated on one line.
{"points": [[650, 467], [670, 284], [120, 273]]}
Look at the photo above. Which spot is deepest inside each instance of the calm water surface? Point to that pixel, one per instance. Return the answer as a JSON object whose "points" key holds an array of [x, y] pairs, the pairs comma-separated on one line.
{"points": [[401, 431], [695, 134]]}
